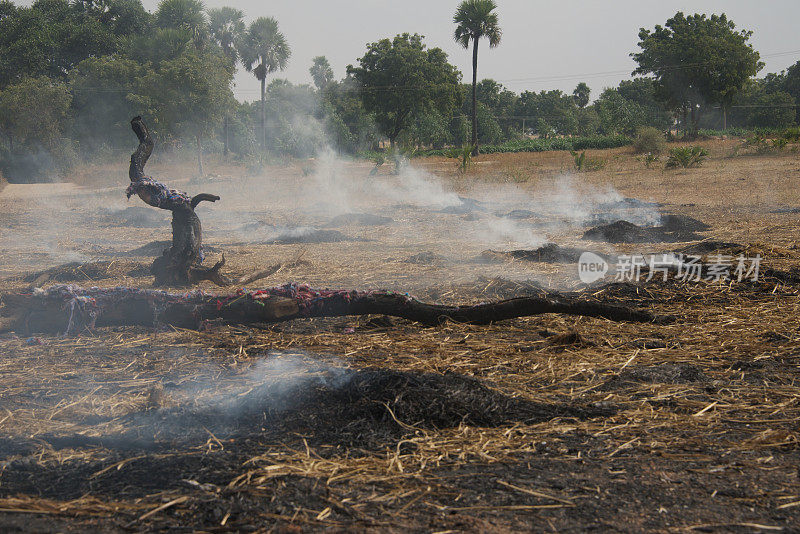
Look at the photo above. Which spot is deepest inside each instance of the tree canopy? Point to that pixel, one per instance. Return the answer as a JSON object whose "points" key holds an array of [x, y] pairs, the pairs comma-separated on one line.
{"points": [[400, 78], [697, 59]]}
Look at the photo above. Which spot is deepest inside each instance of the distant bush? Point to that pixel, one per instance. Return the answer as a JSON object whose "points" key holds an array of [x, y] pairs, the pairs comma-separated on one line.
{"points": [[597, 142], [686, 157], [792, 135], [649, 140], [738, 132], [761, 145]]}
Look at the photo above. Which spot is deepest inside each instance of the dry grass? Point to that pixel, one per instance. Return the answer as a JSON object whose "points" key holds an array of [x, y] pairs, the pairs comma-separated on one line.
{"points": [[685, 426]]}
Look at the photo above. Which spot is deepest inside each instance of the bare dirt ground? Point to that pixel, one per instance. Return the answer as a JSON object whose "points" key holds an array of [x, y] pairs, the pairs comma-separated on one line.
{"points": [[546, 423]]}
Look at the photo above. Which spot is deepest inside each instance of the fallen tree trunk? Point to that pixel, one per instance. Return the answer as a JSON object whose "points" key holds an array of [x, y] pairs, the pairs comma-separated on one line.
{"points": [[70, 309]]}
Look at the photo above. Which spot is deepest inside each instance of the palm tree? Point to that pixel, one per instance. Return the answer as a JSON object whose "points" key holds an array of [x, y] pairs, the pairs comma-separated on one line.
{"points": [[227, 26], [186, 15], [474, 20], [264, 50], [321, 72]]}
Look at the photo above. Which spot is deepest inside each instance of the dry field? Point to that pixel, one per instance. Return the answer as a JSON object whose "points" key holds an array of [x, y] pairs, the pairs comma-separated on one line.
{"points": [[547, 423]]}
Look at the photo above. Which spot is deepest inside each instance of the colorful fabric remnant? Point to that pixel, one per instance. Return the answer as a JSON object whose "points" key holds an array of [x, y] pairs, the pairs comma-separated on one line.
{"points": [[157, 194], [306, 296]]}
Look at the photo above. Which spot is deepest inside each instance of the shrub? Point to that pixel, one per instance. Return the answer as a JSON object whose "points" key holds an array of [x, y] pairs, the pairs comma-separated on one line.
{"points": [[649, 159], [686, 157], [584, 164], [649, 140], [792, 135], [761, 145], [464, 157]]}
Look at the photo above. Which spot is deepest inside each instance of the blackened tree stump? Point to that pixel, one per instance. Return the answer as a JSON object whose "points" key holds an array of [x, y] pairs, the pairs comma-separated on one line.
{"points": [[181, 264]]}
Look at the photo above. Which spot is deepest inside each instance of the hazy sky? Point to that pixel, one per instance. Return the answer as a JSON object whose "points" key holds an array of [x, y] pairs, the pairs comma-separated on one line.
{"points": [[546, 45]]}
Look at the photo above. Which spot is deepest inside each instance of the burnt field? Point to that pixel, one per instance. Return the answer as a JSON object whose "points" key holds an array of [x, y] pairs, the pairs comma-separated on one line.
{"points": [[374, 423]]}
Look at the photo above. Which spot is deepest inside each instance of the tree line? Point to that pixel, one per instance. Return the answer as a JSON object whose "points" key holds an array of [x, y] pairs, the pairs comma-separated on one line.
{"points": [[73, 73]]}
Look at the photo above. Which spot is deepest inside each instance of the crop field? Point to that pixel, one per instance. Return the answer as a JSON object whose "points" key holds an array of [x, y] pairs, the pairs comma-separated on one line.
{"points": [[379, 424]]}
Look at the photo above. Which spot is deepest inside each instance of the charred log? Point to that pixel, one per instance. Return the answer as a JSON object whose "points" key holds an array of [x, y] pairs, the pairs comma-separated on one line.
{"points": [[71, 309], [181, 264]]}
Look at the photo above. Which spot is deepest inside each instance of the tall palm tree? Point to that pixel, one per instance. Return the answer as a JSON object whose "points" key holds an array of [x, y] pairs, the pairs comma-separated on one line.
{"points": [[227, 26], [474, 20], [264, 50]]}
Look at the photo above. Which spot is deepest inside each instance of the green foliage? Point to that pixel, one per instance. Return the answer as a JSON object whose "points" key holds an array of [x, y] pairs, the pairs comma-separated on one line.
{"points": [[185, 15], [580, 159], [402, 79], [348, 125], [686, 157], [102, 103], [792, 135], [584, 164], [321, 72], [226, 26], [761, 145], [649, 140], [464, 157], [51, 37], [32, 116], [650, 159], [631, 106], [475, 20], [34, 110], [581, 95], [187, 96], [544, 145], [263, 48], [775, 110], [427, 130], [555, 108], [716, 61]]}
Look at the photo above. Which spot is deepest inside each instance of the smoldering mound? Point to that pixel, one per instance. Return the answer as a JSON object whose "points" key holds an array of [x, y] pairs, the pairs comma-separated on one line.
{"points": [[359, 219], [137, 217], [336, 405]]}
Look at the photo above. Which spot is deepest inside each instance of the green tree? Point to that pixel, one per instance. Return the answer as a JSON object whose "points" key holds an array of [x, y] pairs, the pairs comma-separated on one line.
{"points": [[348, 123], [321, 72], [581, 95], [555, 108], [52, 36], [763, 104], [476, 19], [771, 110], [226, 25], [697, 59], [101, 104], [264, 50], [791, 84], [159, 45], [186, 15], [401, 79], [188, 96], [34, 110]]}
